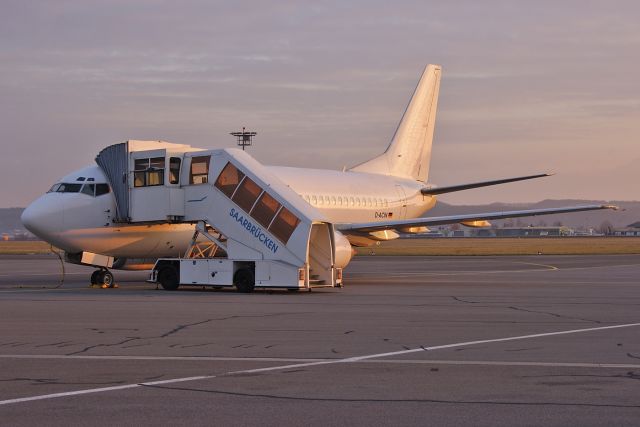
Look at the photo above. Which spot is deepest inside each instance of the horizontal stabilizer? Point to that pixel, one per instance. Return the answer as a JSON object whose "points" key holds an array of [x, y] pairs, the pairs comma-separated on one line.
{"points": [[368, 227], [452, 188]]}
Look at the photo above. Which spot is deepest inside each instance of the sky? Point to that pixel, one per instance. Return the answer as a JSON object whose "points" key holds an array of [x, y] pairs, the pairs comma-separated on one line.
{"points": [[527, 87]]}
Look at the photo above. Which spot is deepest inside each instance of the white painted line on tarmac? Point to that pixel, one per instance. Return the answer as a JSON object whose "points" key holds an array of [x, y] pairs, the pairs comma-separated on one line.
{"points": [[161, 358], [307, 364]]}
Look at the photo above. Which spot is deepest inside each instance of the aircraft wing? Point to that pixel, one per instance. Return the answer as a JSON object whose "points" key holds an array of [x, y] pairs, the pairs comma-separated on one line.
{"points": [[433, 191], [367, 227]]}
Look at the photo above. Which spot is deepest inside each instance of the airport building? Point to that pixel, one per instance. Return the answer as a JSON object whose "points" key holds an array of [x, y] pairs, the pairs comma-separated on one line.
{"points": [[631, 230]]}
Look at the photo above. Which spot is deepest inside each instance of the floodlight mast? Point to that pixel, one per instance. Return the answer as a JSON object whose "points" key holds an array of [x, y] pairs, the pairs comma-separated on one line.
{"points": [[244, 138]]}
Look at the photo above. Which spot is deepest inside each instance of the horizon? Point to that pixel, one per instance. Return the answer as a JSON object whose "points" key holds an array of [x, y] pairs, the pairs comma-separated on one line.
{"points": [[526, 88]]}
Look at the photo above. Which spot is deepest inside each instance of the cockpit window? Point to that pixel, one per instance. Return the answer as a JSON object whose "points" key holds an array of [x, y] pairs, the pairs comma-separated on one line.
{"points": [[90, 179], [93, 190], [102, 189], [89, 189], [54, 188], [80, 178], [69, 188]]}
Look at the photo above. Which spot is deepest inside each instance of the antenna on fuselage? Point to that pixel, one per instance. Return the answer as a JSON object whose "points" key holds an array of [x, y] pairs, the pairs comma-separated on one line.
{"points": [[245, 139]]}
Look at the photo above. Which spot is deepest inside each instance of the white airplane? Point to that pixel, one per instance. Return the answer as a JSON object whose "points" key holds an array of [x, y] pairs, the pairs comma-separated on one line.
{"points": [[370, 202]]}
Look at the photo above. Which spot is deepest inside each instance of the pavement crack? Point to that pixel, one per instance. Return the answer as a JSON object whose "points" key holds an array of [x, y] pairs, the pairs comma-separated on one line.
{"points": [[631, 375], [560, 316], [455, 298], [91, 347], [185, 326], [434, 401]]}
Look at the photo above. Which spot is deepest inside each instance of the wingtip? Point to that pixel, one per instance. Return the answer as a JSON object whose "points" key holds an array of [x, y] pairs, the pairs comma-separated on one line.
{"points": [[612, 207]]}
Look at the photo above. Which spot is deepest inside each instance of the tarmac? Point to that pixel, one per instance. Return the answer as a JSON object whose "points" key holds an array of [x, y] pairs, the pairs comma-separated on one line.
{"points": [[512, 340]]}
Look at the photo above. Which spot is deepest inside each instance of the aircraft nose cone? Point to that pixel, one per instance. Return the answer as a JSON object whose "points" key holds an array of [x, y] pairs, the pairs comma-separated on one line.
{"points": [[43, 218]]}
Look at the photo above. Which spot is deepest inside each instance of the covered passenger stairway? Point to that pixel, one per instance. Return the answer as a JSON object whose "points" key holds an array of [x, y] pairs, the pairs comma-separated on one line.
{"points": [[251, 229]]}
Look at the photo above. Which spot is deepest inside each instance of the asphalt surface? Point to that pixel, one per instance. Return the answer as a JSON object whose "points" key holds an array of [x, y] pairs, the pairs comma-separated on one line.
{"points": [[408, 341]]}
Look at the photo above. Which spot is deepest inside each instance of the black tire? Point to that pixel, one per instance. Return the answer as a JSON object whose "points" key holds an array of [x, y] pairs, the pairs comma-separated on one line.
{"points": [[244, 280], [106, 279], [169, 278], [94, 277]]}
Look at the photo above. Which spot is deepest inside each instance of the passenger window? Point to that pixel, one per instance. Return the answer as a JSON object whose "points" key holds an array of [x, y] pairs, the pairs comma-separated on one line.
{"points": [[174, 170], [284, 224], [265, 209], [314, 200], [333, 200], [246, 194], [89, 189], [229, 179], [199, 170], [102, 189]]}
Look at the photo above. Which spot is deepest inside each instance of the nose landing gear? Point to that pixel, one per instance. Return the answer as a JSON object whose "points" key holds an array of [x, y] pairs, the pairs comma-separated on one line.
{"points": [[103, 278]]}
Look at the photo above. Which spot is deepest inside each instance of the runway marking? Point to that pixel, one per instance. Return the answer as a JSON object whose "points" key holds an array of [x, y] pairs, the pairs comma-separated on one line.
{"points": [[161, 358], [547, 266], [308, 364], [287, 359]]}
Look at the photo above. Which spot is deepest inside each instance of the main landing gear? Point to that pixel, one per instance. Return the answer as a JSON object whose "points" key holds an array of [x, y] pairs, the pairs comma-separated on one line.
{"points": [[103, 278]]}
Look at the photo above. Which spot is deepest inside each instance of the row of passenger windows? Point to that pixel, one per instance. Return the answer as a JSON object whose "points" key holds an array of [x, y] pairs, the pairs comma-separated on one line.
{"points": [[346, 201], [150, 172], [266, 210], [93, 190]]}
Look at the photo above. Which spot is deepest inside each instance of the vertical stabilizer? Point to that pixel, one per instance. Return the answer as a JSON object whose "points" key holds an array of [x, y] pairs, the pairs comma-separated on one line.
{"points": [[409, 152]]}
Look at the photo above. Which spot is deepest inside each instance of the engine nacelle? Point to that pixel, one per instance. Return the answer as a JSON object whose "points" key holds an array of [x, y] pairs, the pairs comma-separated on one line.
{"points": [[344, 251]]}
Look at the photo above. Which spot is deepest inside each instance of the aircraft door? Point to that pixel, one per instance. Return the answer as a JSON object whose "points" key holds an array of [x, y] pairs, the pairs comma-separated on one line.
{"points": [[402, 200], [320, 256]]}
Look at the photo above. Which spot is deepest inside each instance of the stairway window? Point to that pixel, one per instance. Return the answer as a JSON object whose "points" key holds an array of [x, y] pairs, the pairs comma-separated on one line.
{"points": [[199, 170], [284, 224], [265, 209], [148, 172], [174, 170], [246, 194], [229, 179]]}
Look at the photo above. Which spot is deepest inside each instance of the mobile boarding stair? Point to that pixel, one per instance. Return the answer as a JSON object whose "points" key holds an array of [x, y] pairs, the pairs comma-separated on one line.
{"points": [[252, 231]]}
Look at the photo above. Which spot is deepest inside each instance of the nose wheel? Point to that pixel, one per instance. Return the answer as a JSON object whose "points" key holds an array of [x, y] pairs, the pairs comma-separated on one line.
{"points": [[103, 278]]}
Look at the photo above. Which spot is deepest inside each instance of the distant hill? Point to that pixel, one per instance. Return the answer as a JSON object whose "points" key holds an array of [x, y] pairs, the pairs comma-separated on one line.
{"points": [[630, 213], [10, 220]]}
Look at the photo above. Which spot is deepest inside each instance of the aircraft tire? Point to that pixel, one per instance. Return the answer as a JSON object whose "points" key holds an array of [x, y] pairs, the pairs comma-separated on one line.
{"points": [[94, 277], [244, 280], [105, 279], [169, 278]]}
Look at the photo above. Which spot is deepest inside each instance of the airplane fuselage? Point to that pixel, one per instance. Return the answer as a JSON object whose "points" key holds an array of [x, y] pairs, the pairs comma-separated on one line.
{"points": [[77, 221]]}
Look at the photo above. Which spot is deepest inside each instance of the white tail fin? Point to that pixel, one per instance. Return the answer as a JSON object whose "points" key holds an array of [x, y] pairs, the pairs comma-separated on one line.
{"points": [[409, 152]]}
